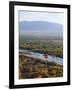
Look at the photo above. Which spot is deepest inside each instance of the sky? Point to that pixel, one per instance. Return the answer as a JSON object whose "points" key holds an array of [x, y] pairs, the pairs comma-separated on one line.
{"points": [[41, 16]]}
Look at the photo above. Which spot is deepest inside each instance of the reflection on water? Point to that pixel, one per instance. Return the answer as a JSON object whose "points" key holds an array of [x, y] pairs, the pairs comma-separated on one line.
{"points": [[50, 58]]}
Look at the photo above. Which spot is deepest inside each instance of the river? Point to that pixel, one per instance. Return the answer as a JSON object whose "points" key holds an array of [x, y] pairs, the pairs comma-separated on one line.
{"points": [[38, 55]]}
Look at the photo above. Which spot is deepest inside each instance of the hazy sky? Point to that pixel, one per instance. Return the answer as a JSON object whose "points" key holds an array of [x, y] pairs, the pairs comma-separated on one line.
{"points": [[41, 16]]}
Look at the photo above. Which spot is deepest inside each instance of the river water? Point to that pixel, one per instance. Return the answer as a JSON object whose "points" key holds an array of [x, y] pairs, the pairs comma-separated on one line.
{"points": [[38, 55]]}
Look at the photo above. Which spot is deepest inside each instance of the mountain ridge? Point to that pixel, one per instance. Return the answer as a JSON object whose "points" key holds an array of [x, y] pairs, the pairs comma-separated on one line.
{"points": [[39, 25]]}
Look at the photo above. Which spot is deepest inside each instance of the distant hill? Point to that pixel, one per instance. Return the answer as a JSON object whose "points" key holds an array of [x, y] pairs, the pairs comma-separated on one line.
{"points": [[40, 25], [52, 29]]}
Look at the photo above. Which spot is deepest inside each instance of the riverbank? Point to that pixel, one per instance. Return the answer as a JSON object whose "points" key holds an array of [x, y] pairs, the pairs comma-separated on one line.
{"points": [[35, 68], [43, 51]]}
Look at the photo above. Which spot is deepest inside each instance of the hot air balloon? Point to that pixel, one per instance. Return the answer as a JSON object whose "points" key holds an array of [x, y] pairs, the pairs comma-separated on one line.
{"points": [[45, 56]]}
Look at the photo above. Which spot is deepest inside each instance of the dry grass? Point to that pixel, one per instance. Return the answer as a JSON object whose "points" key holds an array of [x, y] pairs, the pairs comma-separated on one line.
{"points": [[34, 68]]}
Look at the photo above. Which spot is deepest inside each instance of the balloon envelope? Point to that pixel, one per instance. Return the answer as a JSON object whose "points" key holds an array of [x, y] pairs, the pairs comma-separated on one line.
{"points": [[45, 56]]}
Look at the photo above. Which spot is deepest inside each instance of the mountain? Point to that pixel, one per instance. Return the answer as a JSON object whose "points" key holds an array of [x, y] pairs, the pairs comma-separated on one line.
{"points": [[40, 28], [39, 25]]}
